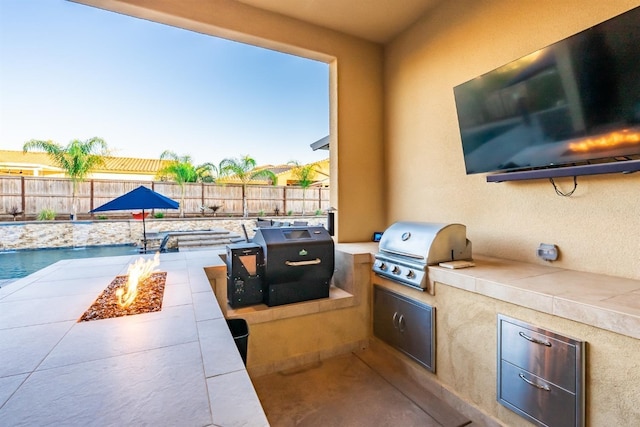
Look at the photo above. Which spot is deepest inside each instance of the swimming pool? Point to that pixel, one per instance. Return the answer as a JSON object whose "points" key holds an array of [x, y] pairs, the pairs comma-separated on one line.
{"points": [[21, 263]]}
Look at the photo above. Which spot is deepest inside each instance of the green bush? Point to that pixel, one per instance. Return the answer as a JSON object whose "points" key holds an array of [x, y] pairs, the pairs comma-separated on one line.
{"points": [[319, 212], [158, 215], [47, 215], [261, 213], [289, 213], [102, 217]]}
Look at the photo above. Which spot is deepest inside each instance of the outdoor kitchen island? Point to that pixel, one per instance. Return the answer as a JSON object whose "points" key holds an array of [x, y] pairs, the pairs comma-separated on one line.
{"points": [[603, 311]]}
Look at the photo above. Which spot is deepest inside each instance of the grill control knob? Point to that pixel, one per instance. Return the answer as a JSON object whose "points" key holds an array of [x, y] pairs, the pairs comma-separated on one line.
{"points": [[381, 265], [411, 274], [396, 269]]}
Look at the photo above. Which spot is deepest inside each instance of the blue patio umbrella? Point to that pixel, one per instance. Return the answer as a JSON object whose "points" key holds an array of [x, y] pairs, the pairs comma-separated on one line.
{"points": [[139, 198]]}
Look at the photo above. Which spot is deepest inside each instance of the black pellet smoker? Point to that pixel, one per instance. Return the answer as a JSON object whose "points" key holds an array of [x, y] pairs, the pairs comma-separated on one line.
{"points": [[281, 265]]}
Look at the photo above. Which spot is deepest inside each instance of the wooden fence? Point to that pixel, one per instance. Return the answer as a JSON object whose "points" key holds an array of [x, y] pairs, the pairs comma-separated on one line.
{"points": [[30, 195]]}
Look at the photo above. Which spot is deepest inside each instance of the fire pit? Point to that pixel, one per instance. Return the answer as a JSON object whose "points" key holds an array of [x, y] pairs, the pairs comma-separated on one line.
{"points": [[140, 291]]}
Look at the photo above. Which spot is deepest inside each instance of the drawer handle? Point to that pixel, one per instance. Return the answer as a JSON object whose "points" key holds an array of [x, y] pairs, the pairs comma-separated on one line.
{"points": [[533, 340], [531, 383]]}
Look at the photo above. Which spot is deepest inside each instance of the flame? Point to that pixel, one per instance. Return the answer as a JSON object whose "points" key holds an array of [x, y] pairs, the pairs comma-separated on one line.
{"points": [[137, 272], [605, 142]]}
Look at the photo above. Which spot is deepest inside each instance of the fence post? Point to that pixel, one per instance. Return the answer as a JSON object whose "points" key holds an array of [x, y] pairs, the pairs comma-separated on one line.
{"points": [[284, 201], [91, 199], [202, 198], [23, 200]]}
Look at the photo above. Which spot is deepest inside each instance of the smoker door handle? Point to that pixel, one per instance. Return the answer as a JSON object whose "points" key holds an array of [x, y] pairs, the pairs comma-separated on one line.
{"points": [[301, 263]]}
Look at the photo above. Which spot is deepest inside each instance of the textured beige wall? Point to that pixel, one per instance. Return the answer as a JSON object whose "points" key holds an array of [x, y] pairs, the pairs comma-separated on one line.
{"points": [[355, 86], [597, 230]]}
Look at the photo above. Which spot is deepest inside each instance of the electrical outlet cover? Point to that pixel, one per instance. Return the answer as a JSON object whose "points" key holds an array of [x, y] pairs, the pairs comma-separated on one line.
{"points": [[547, 252]]}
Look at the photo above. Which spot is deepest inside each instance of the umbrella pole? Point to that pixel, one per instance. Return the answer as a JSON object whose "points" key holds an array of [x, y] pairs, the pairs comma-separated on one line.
{"points": [[144, 232]]}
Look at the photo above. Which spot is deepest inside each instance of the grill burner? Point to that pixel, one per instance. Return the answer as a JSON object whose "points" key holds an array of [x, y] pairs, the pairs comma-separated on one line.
{"points": [[407, 248]]}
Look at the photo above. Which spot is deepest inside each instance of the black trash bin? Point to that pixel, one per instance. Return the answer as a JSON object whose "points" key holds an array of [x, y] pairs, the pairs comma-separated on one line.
{"points": [[240, 332]]}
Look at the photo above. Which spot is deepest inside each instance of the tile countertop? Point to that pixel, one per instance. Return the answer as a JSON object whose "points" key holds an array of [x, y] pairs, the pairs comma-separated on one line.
{"points": [[178, 366], [606, 302]]}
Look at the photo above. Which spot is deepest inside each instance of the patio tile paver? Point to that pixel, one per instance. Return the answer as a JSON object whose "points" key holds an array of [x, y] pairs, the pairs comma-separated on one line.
{"points": [[219, 353], [23, 349], [164, 386], [177, 295], [234, 386], [8, 385], [38, 311], [57, 288], [100, 339]]}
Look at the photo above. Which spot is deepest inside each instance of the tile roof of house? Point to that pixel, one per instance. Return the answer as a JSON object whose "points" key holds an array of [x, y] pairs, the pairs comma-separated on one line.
{"points": [[112, 164], [278, 170]]}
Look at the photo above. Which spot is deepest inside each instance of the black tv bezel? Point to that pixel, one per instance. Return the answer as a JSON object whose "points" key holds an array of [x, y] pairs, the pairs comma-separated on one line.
{"points": [[622, 166], [596, 166]]}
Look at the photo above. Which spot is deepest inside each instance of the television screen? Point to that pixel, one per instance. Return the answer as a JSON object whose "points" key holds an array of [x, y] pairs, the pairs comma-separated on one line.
{"points": [[574, 102]]}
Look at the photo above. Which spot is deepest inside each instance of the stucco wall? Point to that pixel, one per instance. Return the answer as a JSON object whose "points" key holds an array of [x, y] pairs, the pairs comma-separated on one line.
{"points": [[597, 229]]}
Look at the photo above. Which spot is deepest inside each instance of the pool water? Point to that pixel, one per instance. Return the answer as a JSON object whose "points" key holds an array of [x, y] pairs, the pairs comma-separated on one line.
{"points": [[21, 263]]}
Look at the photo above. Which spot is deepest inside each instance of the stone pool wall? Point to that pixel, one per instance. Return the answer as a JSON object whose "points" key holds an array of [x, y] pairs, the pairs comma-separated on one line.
{"points": [[61, 234]]}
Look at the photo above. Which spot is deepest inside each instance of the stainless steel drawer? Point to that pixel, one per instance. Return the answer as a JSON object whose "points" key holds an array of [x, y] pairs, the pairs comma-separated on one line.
{"points": [[535, 398], [540, 374], [543, 353]]}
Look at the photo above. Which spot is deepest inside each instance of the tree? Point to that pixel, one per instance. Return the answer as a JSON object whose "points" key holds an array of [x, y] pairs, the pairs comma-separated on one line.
{"points": [[77, 159], [244, 170], [181, 170], [305, 175]]}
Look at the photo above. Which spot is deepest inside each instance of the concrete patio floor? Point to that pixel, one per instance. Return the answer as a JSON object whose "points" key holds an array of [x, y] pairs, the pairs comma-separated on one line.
{"points": [[178, 366]]}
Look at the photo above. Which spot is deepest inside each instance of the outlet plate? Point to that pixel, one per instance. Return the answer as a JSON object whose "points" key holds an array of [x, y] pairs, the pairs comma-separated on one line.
{"points": [[547, 252]]}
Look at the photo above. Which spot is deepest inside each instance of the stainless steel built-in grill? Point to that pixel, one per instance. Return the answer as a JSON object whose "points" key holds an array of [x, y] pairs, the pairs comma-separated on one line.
{"points": [[407, 248]]}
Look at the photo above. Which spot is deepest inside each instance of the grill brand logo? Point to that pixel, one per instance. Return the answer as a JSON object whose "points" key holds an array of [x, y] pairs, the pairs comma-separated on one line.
{"points": [[303, 252], [405, 236]]}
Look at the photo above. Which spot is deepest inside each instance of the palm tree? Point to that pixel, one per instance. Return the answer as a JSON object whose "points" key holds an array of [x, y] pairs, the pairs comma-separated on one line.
{"points": [[243, 169], [77, 159], [181, 170], [305, 175]]}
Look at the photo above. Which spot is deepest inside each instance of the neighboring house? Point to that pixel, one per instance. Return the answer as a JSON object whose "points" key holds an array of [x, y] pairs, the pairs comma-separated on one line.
{"points": [[40, 164], [14, 162], [285, 175], [321, 178]]}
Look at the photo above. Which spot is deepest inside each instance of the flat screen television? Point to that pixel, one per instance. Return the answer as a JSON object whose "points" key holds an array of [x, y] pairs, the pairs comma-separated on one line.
{"points": [[575, 102]]}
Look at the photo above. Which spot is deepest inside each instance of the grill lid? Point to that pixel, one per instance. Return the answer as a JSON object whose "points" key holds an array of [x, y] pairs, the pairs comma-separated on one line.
{"points": [[426, 243], [406, 248]]}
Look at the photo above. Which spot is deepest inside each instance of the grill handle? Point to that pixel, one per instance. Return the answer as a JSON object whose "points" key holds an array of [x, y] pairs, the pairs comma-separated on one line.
{"points": [[302, 263], [391, 251]]}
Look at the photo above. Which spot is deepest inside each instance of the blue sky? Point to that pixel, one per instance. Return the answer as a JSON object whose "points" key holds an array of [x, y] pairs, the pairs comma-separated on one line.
{"points": [[69, 71]]}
